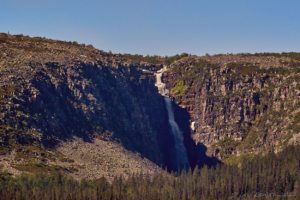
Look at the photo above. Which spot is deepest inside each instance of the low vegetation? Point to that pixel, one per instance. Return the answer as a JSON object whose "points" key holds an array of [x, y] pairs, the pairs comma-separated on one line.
{"points": [[9, 39], [190, 76], [293, 55], [154, 59]]}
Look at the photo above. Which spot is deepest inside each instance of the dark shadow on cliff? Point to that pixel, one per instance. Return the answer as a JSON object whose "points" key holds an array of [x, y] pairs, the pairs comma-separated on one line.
{"points": [[59, 116], [132, 110], [154, 107], [52, 105], [197, 154]]}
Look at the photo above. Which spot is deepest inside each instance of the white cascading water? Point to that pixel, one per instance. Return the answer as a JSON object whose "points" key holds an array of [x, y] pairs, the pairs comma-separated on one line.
{"points": [[181, 154], [160, 85]]}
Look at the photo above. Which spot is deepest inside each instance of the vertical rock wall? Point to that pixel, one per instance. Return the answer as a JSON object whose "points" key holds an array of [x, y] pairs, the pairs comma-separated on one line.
{"points": [[236, 104]]}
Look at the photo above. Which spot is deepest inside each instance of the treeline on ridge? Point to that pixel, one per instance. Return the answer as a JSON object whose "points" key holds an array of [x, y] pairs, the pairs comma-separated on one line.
{"points": [[154, 59], [292, 55], [273, 175]]}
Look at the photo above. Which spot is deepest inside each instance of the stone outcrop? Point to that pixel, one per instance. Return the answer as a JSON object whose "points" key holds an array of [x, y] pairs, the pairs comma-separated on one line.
{"points": [[51, 91], [237, 104]]}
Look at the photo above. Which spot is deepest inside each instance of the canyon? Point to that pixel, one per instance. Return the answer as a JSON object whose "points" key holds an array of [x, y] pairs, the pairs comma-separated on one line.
{"points": [[71, 107]]}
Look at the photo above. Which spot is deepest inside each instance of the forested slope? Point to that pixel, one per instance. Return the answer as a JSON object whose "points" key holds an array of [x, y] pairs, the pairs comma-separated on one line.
{"points": [[275, 176]]}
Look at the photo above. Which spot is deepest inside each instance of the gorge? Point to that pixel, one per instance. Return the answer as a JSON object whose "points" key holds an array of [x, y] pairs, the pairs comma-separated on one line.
{"points": [[91, 113]]}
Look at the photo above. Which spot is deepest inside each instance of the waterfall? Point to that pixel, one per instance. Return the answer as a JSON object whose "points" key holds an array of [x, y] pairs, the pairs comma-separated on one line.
{"points": [[181, 154], [160, 85]]}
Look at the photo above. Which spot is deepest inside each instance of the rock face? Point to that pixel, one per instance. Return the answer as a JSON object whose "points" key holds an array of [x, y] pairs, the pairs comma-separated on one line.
{"points": [[236, 104], [225, 105], [52, 90]]}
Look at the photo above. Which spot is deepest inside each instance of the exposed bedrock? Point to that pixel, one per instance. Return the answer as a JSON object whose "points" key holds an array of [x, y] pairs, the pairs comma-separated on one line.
{"points": [[233, 105], [219, 106], [84, 92]]}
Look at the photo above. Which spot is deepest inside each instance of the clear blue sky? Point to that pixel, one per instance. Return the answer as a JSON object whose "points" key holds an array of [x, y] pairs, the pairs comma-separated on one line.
{"points": [[161, 27]]}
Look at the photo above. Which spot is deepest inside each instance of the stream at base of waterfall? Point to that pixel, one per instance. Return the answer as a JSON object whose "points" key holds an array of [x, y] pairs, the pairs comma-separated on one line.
{"points": [[181, 154]]}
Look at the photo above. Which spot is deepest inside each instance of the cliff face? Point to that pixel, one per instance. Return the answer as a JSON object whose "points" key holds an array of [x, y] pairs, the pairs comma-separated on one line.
{"points": [[237, 104], [51, 91], [54, 93]]}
